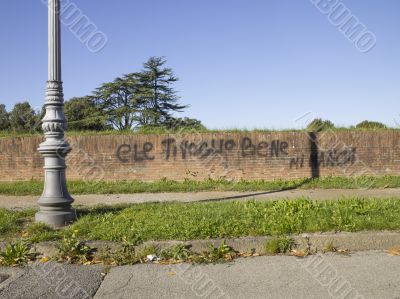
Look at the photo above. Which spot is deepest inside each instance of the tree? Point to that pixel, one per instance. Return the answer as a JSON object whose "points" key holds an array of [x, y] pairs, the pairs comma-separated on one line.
{"points": [[318, 125], [23, 118], [118, 102], [156, 95], [141, 99], [82, 114], [175, 125], [4, 118], [185, 124], [366, 124]]}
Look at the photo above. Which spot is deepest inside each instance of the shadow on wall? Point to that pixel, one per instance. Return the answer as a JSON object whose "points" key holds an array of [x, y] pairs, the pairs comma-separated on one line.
{"points": [[314, 165]]}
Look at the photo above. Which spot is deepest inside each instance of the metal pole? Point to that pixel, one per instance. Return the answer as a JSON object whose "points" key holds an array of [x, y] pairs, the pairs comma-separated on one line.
{"points": [[55, 202]]}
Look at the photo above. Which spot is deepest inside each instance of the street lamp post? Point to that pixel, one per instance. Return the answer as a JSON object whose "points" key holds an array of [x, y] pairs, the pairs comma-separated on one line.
{"points": [[55, 202]]}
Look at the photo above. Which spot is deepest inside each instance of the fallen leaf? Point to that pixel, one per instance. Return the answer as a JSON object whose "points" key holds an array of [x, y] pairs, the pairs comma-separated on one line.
{"points": [[343, 251], [44, 259], [394, 251], [299, 253], [171, 273]]}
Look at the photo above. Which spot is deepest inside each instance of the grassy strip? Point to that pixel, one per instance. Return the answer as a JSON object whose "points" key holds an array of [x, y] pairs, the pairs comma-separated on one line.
{"points": [[128, 187], [12, 222], [189, 221], [177, 221], [150, 131]]}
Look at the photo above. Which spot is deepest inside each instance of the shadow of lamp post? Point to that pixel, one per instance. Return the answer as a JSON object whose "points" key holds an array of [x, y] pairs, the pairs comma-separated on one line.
{"points": [[55, 202]]}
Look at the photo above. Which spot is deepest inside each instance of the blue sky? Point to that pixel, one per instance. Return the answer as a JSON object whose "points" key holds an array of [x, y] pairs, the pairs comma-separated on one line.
{"points": [[241, 64]]}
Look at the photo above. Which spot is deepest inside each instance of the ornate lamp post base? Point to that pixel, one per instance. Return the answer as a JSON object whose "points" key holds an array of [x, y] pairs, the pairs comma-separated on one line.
{"points": [[55, 203], [55, 219]]}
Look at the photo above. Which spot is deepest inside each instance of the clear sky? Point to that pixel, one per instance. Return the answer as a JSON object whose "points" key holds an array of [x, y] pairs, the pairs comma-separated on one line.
{"points": [[241, 64]]}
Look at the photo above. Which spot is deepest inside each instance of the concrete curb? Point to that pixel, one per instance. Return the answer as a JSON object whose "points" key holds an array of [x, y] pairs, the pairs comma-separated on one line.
{"points": [[360, 241], [363, 241]]}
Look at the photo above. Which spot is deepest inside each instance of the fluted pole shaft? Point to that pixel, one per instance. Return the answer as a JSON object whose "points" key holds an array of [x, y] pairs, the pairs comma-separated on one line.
{"points": [[54, 40], [55, 202]]}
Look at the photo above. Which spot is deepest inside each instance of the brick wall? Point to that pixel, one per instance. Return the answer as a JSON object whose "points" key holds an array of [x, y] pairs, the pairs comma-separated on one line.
{"points": [[279, 155]]}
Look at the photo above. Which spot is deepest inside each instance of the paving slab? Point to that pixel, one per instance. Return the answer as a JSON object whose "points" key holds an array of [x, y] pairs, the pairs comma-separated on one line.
{"points": [[361, 275], [95, 199], [50, 281]]}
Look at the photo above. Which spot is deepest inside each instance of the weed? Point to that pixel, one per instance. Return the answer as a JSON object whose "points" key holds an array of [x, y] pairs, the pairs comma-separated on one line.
{"points": [[177, 253], [220, 254], [126, 255], [71, 249], [278, 245], [105, 256], [329, 247], [146, 251], [120, 257], [16, 254]]}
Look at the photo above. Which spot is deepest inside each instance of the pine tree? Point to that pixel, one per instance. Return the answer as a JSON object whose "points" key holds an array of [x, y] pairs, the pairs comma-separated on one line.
{"points": [[156, 94], [118, 102]]}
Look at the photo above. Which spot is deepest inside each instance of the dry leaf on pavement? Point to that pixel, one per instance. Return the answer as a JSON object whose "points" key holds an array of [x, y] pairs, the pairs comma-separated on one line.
{"points": [[394, 251], [299, 253]]}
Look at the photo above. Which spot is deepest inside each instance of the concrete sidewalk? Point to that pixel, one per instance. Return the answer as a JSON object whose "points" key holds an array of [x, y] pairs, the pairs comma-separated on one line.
{"points": [[362, 275], [370, 274], [90, 200], [50, 281]]}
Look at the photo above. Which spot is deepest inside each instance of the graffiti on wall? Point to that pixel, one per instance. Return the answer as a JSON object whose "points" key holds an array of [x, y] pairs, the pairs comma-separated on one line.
{"points": [[172, 149], [329, 158], [246, 148]]}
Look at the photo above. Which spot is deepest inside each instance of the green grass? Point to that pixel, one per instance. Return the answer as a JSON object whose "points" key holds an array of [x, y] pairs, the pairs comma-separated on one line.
{"points": [[179, 221], [126, 187], [188, 221], [12, 222], [151, 131], [279, 245]]}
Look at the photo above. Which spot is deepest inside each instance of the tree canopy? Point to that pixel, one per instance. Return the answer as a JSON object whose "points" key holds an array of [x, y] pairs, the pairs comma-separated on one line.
{"points": [[134, 101], [318, 125], [366, 124], [83, 115], [23, 118], [4, 118], [140, 99], [156, 93]]}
